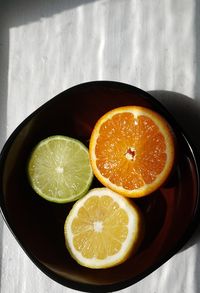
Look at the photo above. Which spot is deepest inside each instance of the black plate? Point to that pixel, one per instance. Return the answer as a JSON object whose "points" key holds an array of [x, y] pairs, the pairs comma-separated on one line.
{"points": [[170, 213]]}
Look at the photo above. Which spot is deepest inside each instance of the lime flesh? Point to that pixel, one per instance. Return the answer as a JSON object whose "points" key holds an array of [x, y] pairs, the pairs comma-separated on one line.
{"points": [[59, 169]]}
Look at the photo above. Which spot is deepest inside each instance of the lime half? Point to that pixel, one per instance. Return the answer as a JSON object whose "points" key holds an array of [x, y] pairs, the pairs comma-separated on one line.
{"points": [[59, 169]]}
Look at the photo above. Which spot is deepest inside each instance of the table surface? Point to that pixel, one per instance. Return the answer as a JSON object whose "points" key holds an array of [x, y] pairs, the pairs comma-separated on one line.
{"points": [[48, 46]]}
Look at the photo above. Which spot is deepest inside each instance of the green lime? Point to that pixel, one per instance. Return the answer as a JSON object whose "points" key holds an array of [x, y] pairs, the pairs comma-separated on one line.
{"points": [[59, 169]]}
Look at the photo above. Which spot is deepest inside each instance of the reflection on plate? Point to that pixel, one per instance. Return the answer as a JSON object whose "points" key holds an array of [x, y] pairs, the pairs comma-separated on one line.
{"points": [[170, 213]]}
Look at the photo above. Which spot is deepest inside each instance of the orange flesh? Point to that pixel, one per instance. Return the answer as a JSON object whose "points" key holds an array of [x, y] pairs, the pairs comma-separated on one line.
{"points": [[108, 240], [130, 152]]}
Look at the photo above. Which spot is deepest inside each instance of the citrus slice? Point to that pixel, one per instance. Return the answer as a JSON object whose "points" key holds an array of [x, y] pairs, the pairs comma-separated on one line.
{"points": [[59, 169], [102, 229], [132, 150]]}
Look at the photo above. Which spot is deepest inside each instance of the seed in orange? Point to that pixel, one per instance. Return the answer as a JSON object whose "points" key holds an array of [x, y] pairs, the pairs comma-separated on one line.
{"points": [[102, 229], [132, 150]]}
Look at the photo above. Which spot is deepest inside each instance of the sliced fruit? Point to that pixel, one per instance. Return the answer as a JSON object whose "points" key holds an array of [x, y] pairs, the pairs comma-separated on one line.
{"points": [[59, 169], [102, 229], [132, 150]]}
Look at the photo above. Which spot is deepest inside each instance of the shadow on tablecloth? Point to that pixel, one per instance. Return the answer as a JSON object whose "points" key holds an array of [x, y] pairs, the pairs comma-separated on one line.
{"points": [[4, 55], [13, 14]]}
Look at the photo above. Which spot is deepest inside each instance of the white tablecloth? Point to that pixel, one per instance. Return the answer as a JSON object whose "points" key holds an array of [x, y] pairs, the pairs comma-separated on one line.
{"points": [[47, 46]]}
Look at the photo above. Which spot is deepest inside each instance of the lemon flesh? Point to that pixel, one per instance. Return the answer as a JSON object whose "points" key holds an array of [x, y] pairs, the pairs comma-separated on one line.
{"points": [[59, 169], [102, 229]]}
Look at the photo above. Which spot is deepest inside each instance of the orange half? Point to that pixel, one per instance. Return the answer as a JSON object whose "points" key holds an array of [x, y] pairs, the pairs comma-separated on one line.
{"points": [[132, 150]]}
